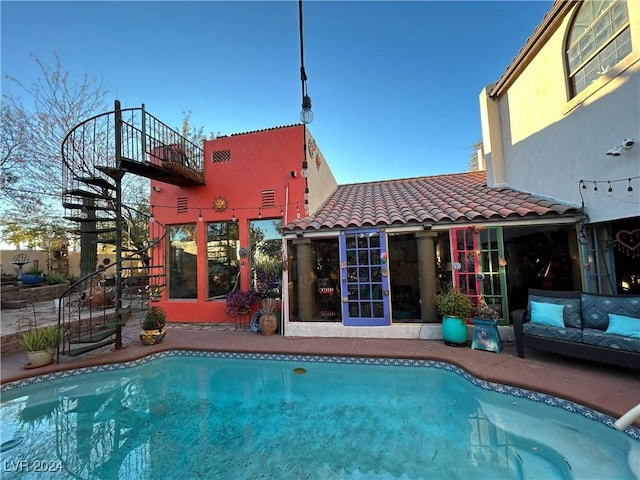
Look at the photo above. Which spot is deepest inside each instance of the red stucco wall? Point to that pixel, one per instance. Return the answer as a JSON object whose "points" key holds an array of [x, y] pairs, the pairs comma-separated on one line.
{"points": [[259, 161]]}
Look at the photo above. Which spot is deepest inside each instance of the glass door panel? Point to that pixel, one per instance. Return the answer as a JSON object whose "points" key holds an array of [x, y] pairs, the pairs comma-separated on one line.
{"points": [[364, 277]]}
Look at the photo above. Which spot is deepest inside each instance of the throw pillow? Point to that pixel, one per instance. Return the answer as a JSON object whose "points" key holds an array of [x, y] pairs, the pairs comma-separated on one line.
{"points": [[623, 325], [548, 314]]}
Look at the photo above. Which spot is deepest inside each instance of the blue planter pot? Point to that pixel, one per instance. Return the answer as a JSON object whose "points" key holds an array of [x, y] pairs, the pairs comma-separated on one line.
{"points": [[454, 331], [32, 278]]}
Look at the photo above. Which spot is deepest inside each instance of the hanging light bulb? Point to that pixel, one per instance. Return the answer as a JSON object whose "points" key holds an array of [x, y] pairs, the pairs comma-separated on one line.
{"points": [[151, 217], [306, 209], [306, 193], [584, 185], [306, 115], [84, 213], [259, 214], [297, 211], [629, 189], [233, 215], [595, 188], [200, 219], [609, 190], [305, 169]]}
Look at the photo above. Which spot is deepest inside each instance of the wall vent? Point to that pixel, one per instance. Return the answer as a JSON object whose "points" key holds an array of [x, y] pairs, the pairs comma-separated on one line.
{"points": [[182, 205], [268, 198], [220, 156]]}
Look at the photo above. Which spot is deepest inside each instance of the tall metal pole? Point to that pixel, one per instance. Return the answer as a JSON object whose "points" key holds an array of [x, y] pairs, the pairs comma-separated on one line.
{"points": [[118, 174]]}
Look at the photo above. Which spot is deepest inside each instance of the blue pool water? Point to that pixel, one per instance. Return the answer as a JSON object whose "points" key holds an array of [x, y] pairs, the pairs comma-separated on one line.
{"points": [[186, 415]]}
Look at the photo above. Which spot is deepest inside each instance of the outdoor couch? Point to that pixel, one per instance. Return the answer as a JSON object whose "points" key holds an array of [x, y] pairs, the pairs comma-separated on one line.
{"points": [[602, 328]]}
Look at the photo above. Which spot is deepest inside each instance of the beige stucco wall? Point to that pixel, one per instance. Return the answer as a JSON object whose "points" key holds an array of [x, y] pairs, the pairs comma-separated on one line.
{"points": [[41, 256], [538, 140], [322, 183]]}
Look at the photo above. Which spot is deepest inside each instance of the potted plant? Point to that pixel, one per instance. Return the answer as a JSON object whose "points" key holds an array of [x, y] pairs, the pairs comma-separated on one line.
{"points": [[239, 302], [40, 344], [455, 308], [153, 323], [268, 321], [33, 276]]}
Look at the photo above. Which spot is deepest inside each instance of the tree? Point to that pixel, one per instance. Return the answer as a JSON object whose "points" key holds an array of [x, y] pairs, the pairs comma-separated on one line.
{"points": [[473, 160], [33, 130], [195, 135]]}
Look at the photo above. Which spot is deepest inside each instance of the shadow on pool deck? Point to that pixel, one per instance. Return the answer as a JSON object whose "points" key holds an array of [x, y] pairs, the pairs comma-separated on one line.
{"points": [[607, 389]]}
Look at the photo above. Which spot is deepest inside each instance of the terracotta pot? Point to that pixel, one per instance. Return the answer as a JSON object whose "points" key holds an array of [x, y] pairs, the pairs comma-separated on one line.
{"points": [[268, 324]]}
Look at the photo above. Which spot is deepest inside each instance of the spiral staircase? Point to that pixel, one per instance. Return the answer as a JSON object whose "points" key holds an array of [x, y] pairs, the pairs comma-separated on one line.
{"points": [[97, 154]]}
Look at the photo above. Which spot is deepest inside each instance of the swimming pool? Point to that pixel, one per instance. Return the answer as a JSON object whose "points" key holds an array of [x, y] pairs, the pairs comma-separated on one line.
{"points": [[184, 414]]}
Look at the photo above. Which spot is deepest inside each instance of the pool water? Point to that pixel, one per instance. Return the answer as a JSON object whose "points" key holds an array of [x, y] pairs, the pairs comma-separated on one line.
{"points": [[184, 416]]}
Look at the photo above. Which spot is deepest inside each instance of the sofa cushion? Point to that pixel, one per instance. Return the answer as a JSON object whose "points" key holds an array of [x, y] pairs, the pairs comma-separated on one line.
{"points": [[596, 308], [571, 313], [549, 314], [560, 333], [599, 338], [624, 326]]}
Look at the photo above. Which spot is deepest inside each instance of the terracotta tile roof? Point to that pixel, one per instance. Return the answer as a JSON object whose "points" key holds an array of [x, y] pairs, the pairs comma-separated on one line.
{"points": [[456, 198], [280, 127]]}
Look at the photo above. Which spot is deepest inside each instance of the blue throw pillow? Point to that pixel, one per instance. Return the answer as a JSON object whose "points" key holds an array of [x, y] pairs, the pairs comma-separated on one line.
{"points": [[547, 314], [625, 326]]}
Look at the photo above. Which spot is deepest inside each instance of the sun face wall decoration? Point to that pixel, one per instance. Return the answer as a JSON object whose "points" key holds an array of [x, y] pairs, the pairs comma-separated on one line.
{"points": [[220, 204]]}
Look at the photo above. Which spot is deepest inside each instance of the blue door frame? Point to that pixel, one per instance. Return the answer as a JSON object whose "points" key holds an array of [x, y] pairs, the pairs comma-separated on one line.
{"points": [[364, 276]]}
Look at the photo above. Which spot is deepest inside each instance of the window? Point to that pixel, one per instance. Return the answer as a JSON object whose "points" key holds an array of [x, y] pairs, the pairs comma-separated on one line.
{"points": [[223, 258], [183, 254], [266, 257], [599, 38]]}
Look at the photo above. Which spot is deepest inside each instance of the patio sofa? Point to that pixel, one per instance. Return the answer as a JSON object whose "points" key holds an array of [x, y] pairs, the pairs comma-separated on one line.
{"points": [[601, 328]]}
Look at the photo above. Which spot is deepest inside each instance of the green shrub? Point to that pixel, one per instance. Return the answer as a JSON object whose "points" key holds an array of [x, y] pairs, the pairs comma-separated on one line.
{"points": [[154, 319], [42, 338], [454, 303], [56, 278]]}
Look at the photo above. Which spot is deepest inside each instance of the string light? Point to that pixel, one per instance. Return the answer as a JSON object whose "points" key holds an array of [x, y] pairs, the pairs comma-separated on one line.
{"points": [[234, 218], [609, 191], [297, 211]]}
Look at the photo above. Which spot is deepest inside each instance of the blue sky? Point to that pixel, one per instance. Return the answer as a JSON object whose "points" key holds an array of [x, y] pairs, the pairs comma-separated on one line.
{"points": [[394, 85]]}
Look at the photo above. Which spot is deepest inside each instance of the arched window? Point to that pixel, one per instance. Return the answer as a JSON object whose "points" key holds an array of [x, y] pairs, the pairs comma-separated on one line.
{"points": [[599, 38]]}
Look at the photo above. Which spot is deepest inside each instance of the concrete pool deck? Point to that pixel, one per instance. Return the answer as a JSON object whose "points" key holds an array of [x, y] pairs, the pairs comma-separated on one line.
{"points": [[607, 389]]}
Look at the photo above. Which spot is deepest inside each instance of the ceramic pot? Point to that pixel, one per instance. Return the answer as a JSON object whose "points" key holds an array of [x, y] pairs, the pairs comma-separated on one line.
{"points": [[152, 337], [454, 331], [268, 324], [40, 358]]}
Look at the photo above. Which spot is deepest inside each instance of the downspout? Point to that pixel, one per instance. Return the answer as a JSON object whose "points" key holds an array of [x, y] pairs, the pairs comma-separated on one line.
{"points": [[284, 286]]}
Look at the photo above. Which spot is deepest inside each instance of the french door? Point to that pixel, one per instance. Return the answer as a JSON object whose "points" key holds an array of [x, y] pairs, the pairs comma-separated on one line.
{"points": [[479, 266], [364, 277]]}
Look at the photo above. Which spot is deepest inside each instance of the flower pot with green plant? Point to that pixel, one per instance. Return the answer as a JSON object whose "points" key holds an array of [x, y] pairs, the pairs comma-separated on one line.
{"points": [[240, 302], [32, 276], [153, 324], [40, 344], [455, 308]]}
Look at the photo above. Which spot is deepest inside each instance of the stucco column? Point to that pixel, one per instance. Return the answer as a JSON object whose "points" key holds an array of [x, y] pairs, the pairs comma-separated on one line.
{"points": [[304, 278], [427, 274]]}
